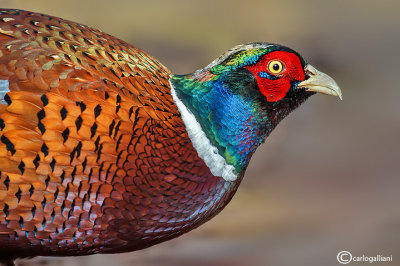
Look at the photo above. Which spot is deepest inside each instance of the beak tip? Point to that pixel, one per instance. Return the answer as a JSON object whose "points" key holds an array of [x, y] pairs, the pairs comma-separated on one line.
{"points": [[337, 93]]}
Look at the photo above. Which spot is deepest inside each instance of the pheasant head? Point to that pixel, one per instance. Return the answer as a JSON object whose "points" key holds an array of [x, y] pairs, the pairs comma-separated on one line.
{"points": [[238, 99]]}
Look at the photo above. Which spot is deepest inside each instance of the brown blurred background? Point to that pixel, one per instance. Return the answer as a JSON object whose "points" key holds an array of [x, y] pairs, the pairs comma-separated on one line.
{"points": [[328, 177]]}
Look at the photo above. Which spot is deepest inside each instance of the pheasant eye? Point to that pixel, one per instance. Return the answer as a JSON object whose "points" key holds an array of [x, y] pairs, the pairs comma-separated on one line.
{"points": [[276, 67]]}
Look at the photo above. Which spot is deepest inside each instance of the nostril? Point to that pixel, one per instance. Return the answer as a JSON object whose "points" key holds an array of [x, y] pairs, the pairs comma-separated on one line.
{"points": [[310, 70]]}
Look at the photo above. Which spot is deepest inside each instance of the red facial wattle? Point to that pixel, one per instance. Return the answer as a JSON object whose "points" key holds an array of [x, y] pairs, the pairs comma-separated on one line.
{"points": [[276, 86]]}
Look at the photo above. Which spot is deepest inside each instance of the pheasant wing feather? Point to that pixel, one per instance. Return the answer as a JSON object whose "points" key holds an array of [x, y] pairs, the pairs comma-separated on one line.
{"points": [[73, 124]]}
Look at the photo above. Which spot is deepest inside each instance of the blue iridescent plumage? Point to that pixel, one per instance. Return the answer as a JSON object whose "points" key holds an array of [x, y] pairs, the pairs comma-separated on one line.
{"points": [[231, 120]]}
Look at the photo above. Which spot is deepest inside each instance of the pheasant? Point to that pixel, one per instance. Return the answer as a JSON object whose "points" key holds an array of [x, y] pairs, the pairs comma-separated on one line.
{"points": [[104, 150]]}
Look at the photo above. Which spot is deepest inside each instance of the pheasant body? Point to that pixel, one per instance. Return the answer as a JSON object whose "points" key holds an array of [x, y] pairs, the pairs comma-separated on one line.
{"points": [[98, 149]]}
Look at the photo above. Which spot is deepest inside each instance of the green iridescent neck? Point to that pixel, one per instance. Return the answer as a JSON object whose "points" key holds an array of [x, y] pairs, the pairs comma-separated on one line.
{"points": [[228, 109]]}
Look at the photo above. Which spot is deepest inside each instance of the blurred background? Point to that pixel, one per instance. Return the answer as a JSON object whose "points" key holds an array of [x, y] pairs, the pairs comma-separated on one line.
{"points": [[327, 179]]}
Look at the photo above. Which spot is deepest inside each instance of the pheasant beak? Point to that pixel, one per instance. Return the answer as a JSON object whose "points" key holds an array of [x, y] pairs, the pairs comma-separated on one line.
{"points": [[319, 82]]}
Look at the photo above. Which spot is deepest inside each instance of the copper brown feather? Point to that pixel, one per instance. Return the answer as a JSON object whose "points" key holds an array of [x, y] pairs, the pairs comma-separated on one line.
{"points": [[92, 145]]}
